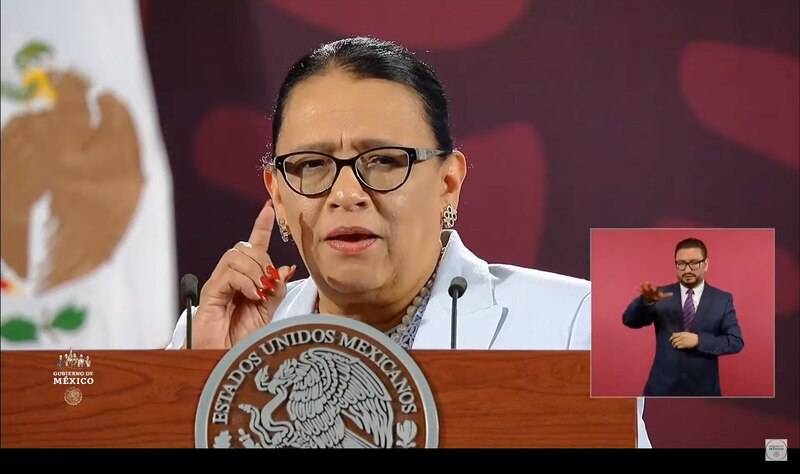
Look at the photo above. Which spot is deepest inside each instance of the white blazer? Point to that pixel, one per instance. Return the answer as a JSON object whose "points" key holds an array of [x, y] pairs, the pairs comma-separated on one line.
{"points": [[504, 307]]}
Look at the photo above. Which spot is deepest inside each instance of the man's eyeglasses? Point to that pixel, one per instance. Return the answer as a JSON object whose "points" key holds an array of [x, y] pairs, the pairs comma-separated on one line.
{"points": [[384, 169], [694, 265]]}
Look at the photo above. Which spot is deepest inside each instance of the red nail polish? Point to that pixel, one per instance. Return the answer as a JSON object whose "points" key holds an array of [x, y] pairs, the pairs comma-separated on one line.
{"points": [[273, 273], [268, 284], [262, 293]]}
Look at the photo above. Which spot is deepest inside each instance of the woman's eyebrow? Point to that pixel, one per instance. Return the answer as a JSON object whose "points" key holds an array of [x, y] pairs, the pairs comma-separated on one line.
{"points": [[359, 144]]}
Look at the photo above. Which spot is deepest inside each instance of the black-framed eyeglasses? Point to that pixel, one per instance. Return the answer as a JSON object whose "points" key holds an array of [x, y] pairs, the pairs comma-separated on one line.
{"points": [[384, 169], [694, 265]]}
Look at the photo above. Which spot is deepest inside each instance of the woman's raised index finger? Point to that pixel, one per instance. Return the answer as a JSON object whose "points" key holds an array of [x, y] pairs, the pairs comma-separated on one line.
{"points": [[262, 228]]}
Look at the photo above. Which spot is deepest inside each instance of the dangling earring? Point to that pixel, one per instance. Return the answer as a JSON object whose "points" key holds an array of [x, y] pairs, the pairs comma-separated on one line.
{"points": [[284, 230], [449, 216]]}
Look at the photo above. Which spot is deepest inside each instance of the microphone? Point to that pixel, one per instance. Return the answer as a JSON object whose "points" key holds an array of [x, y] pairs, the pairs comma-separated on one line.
{"points": [[458, 286], [189, 298]]}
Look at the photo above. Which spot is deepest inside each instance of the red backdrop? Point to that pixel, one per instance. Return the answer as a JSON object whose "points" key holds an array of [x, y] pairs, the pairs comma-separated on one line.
{"points": [[741, 262], [573, 114]]}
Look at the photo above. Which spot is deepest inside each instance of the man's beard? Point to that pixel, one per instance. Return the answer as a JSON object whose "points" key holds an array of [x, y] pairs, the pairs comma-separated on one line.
{"points": [[691, 283]]}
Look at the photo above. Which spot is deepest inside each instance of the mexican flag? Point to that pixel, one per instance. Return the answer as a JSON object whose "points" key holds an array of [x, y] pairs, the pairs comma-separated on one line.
{"points": [[88, 258]]}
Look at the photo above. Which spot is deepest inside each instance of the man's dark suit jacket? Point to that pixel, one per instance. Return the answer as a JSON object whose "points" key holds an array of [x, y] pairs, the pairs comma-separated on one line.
{"points": [[688, 372]]}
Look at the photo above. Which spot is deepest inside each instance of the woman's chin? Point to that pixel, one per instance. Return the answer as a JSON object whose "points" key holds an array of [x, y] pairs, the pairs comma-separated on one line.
{"points": [[353, 280]]}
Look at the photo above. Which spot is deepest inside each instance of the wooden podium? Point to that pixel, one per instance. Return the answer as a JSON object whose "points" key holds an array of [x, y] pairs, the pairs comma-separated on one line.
{"points": [[149, 399]]}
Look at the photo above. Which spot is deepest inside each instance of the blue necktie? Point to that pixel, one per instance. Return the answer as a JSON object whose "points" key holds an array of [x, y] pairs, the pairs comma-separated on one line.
{"points": [[688, 310]]}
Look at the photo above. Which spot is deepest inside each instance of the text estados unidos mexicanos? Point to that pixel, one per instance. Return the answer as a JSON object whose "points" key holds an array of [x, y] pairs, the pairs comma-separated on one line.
{"points": [[73, 378], [405, 393]]}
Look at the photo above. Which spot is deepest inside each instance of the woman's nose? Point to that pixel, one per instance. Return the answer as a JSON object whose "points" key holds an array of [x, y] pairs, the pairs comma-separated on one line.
{"points": [[347, 191]]}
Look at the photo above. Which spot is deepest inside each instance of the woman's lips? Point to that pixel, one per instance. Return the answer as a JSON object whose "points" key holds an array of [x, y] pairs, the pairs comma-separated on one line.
{"points": [[351, 244], [350, 240]]}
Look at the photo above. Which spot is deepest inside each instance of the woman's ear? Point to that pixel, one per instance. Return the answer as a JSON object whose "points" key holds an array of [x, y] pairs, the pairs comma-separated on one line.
{"points": [[454, 171], [271, 183]]}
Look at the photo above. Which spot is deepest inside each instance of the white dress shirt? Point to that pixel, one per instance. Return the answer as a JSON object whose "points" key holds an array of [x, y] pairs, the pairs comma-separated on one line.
{"points": [[698, 292]]}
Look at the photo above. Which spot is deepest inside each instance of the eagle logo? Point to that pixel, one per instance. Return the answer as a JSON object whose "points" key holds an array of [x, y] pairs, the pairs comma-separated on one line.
{"points": [[78, 148], [317, 381], [71, 183], [333, 401]]}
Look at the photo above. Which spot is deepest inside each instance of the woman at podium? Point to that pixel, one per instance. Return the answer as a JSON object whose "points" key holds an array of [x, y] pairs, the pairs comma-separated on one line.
{"points": [[365, 178]]}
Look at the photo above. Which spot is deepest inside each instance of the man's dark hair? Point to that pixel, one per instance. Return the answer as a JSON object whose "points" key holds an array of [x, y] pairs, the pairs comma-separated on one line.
{"points": [[692, 243], [370, 58]]}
